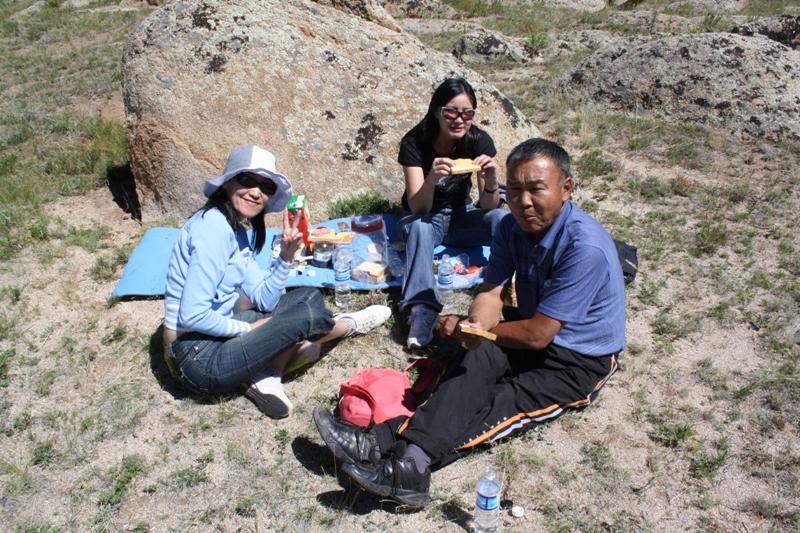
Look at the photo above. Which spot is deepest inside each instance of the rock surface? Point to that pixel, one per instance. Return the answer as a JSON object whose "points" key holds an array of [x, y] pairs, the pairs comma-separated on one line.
{"points": [[651, 22], [740, 85], [569, 43], [484, 45], [32, 9], [785, 29], [723, 6], [367, 9], [579, 5], [418, 8], [142, 3], [419, 26], [330, 94]]}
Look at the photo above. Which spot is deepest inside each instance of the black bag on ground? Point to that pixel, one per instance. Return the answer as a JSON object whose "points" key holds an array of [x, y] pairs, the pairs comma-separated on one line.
{"points": [[628, 260]]}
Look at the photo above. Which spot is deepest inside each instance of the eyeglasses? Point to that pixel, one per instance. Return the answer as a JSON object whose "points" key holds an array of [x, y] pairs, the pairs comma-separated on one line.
{"points": [[451, 113], [249, 181]]}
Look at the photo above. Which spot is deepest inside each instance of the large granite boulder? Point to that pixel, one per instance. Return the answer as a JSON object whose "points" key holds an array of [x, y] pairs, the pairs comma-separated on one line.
{"points": [[578, 5], [650, 21], [739, 85], [572, 42], [419, 9], [329, 93], [368, 9], [485, 46], [784, 29], [713, 6]]}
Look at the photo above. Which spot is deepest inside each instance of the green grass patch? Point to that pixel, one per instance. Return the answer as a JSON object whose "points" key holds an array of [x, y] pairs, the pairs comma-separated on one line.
{"points": [[5, 357], [48, 65], [189, 477], [247, 507], [38, 527], [116, 335], [17, 482], [88, 239], [105, 267], [597, 454], [672, 435], [362, 203], [537, 40], [44, 454], [710, 236], [708, 463], [130, 467], [592, 164]]}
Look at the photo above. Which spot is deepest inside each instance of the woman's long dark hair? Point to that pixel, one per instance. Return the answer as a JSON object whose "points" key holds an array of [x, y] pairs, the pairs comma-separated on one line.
{"points": [[222, 202], [429, 126]]}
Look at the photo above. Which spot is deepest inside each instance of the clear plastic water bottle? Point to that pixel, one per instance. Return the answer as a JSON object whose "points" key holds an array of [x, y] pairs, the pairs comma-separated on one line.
{"points": [[487, 502], [396, 267], [444, 281], [341, 272]]}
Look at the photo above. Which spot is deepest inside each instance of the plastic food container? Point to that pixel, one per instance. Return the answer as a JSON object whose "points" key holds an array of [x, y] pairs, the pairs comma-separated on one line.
{"points": [[322, 254]]}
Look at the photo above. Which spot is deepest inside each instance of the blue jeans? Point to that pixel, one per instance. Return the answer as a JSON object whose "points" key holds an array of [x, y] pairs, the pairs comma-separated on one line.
{"points": [[210, 364], [469, 226]]}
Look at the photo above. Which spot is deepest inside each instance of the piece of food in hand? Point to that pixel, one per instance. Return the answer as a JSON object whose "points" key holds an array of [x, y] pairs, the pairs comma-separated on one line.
{"points": [[479, 332], [463, 166]]}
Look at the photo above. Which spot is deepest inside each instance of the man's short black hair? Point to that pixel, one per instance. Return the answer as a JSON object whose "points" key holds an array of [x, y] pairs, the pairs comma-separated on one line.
{"points": [[537, 147]]}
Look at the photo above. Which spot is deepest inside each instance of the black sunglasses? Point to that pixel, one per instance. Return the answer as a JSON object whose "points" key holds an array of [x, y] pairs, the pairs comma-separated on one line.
{"points": [[451, 113], [249, 181]]}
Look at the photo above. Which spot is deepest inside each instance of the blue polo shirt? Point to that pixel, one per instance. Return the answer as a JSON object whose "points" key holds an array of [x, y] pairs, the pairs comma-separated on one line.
{"points": [[572, 275]]}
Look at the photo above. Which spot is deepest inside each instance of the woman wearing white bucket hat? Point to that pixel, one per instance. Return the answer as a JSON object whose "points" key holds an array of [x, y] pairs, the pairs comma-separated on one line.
{"points": [[209, 347]]}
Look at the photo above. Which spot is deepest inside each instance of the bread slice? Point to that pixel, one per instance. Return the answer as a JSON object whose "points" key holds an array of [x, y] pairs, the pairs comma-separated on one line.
{"points": [[463, 166], [479, 332], [343, 237], [375, 271]]}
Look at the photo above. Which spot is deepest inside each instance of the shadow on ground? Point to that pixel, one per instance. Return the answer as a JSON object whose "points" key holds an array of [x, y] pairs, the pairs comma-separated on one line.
{"points": [[160, 369], [123, 190]]}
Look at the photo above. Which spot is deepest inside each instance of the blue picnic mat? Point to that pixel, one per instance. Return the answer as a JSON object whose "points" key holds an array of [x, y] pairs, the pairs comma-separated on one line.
{"points": [[146, 271]]}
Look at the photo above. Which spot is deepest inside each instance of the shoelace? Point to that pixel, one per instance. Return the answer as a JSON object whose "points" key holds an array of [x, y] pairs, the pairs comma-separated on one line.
{"points": [[370, 322]]}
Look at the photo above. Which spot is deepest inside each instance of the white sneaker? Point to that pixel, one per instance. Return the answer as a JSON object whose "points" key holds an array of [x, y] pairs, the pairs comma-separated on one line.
{"points": [[307, 353], [422, 321], [366, 319], [269, 396]]}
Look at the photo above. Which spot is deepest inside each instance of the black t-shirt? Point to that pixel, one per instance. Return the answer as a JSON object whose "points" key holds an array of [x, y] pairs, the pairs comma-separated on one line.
{"points": [[451, 191]]}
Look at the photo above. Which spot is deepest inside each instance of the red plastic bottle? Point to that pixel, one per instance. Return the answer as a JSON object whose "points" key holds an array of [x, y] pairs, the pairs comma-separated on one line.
{"points": [[297, 208]]}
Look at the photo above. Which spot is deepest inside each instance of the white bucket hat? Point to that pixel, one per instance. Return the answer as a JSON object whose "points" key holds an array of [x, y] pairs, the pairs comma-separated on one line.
{"points": [[258, 161]]}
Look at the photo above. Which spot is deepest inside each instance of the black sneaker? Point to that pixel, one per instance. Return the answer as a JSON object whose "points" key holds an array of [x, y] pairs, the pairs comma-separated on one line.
{"points": [[393, 477], [349, 443]]}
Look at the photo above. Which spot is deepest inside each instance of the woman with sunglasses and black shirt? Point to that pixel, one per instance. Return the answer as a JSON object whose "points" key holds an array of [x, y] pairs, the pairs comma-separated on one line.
{"points": [[210, 347], [439, 209]]}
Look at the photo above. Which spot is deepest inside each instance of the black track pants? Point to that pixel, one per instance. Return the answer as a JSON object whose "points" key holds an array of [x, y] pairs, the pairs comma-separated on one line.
{"points": [[494, 392]]}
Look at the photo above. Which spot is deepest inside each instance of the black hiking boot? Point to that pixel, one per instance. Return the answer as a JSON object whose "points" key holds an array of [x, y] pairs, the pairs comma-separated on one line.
{"points": [[393, 477], [349, 443]]}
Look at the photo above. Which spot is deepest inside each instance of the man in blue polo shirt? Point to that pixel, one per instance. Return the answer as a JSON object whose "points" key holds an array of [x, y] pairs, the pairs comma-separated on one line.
{"points": [[552, 353]]}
